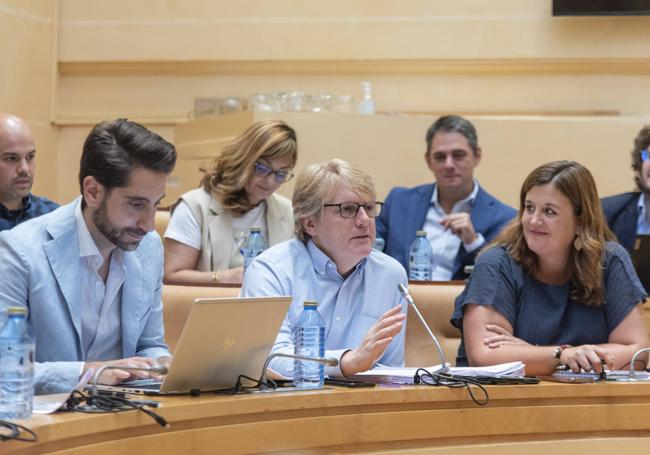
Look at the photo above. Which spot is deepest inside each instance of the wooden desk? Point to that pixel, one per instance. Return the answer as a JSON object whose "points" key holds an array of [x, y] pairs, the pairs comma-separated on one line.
{"points": [[563, 418]]}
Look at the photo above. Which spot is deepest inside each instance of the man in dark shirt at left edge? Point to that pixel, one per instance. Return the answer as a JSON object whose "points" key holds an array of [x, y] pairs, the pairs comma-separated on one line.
{"points": [[17, 167]]}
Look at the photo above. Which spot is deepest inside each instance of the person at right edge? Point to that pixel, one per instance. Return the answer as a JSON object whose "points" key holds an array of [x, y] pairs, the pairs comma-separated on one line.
{"points": [[459, 216], [553, 288], [626, 213]]}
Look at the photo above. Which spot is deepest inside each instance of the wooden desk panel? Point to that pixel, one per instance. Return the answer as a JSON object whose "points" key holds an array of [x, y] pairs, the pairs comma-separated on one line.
{"points": [[413, 419]]}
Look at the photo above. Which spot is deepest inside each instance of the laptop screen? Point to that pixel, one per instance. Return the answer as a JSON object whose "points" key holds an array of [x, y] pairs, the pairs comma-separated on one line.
{"points": [[222, 339]]}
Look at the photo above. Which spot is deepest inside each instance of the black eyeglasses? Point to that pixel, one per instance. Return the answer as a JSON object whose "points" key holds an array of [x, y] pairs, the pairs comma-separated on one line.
{"points": [[280, 176], [350, 209]]}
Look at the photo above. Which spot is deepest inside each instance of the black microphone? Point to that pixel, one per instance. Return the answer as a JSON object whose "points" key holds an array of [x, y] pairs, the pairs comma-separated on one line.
{"points": [[407, 296], [329, 361], [160, 369]]}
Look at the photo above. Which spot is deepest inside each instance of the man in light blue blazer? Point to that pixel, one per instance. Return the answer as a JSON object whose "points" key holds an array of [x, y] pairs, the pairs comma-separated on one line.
{"points": [[458, 215], [90, 273]]}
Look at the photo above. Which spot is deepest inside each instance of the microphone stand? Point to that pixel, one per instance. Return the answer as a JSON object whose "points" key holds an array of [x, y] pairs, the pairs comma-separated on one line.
{"points": [[263, 380], [407, 296], [158, 369], [632, 376]]}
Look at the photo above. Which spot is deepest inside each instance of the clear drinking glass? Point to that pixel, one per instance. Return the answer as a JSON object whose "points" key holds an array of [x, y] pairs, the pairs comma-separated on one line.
{"points": [[344, 104], [322, 102], [265, 102]]}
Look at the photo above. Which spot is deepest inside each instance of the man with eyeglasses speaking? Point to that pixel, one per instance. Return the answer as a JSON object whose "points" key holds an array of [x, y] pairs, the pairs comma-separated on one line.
{"points": [[332, 262]]}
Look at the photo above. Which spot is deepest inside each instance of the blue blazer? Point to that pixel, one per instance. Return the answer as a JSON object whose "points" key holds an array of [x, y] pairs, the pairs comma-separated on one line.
{"points": [[405, 211], [40, 269], [622, 216]]}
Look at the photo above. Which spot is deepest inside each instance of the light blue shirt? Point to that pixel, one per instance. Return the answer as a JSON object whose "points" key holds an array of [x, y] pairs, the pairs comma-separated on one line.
{"points": [[642, 226], [101, 310], [444, 243], [349, 306]]}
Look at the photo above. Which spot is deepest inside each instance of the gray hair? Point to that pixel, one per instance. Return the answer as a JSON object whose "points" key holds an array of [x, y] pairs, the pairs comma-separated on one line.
{"points": [[317, 184]]}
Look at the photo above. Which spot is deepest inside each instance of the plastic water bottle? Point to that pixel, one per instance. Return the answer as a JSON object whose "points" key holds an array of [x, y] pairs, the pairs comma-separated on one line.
{"points": [[16, 366], [309, 341], [420, 258], [252, 246], [367, 104]]}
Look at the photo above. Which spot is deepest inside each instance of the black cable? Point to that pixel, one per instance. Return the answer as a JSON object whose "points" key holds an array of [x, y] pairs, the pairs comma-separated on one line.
{"points": [[15, 431], [240, 388], [95, 404], [423, 376]]}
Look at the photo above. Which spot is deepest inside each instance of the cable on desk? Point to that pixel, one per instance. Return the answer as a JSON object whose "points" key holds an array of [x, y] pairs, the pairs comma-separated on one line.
{"points": [[96, 404], [240, 388], [15, 432], [423, 376]]}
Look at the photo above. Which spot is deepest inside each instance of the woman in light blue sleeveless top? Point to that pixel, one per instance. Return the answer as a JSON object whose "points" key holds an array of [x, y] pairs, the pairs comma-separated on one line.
{"points": [[554, 287]]}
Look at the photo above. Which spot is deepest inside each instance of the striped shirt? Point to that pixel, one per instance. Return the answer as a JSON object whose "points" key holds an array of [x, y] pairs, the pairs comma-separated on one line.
{"points": [[101, 303]]}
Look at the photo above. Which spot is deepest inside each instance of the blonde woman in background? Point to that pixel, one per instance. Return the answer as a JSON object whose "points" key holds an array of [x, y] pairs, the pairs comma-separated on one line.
{"points": [[237, 192]]}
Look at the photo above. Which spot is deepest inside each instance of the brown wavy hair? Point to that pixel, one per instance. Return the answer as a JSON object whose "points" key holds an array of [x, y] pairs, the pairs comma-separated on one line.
{"points": [[575, 182], [226, 177]]}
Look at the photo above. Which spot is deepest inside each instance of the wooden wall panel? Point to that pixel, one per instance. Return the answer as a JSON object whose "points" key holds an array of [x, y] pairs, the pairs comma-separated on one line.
{"points": [[285, 29], [27, 74], [507, 64]]}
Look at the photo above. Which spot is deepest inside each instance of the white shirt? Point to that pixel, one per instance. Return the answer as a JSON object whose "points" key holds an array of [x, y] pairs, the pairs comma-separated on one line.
{"points": [[184, 228], [642, 226], [444, 243], [101, 303]]}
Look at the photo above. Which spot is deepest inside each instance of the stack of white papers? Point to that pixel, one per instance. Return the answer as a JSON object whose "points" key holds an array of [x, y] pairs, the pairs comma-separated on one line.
{"points": [[404, 375]]}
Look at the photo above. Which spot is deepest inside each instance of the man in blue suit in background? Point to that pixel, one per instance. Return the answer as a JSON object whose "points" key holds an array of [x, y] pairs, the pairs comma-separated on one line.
{"points": [[457, 214], [627, 213], [90, 273]]}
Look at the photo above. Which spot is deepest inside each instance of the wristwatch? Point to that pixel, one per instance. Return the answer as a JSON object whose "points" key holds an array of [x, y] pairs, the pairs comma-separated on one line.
{"points": [[558, 351]]}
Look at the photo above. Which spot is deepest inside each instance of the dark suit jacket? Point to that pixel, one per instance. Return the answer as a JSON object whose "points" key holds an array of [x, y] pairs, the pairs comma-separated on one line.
{"points": [[622, 216], [405, 212]]}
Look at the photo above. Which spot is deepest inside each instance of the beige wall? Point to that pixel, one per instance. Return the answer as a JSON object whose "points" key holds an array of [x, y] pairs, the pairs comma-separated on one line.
{"points": [[502, 56], [392, 148], [538, 87], [27, 72]]}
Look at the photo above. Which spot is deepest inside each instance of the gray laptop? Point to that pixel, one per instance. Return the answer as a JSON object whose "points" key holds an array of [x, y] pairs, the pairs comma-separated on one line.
{"points": [[222, 339]]}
